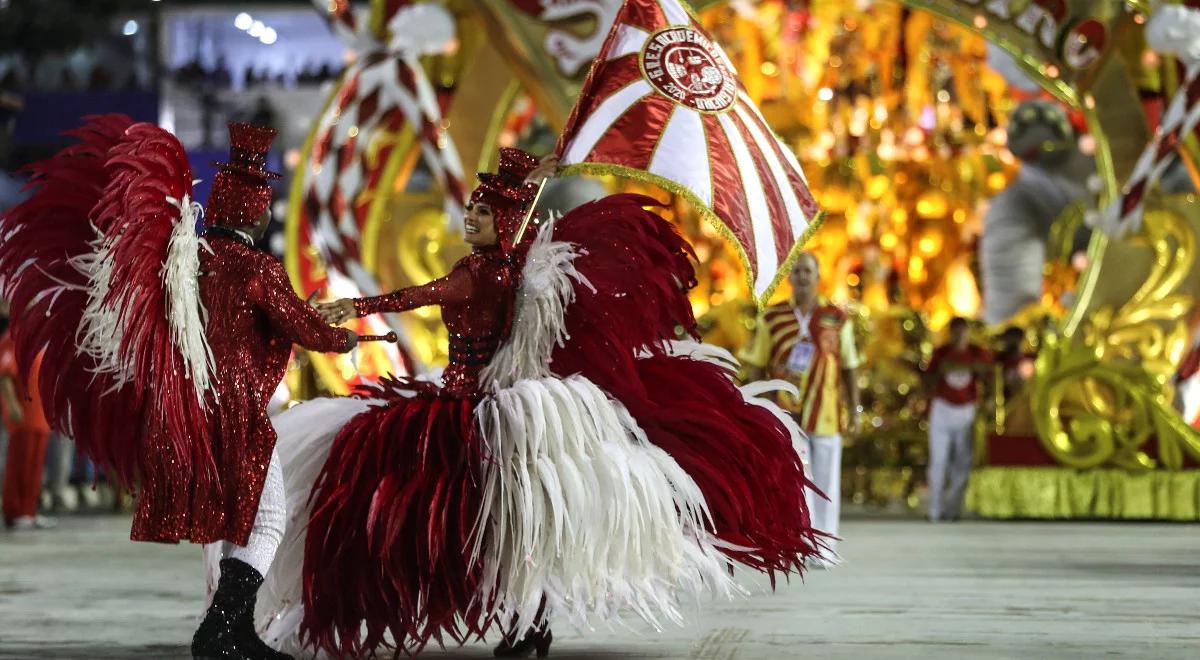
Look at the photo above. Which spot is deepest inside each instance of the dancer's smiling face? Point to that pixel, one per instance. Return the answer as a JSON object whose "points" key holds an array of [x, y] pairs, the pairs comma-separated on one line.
{"points": [[480, 224]]}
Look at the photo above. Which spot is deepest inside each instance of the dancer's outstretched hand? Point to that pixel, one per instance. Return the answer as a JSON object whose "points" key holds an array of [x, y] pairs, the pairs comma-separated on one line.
{"points": [[546, 168], [338, 311]]}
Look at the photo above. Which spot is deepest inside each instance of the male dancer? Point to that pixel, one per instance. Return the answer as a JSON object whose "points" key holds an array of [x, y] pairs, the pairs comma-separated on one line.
{"points": [[161, 351], [254, 318]]}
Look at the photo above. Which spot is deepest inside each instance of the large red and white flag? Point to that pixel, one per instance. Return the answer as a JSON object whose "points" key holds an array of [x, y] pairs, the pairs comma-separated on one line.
{"points": [[663, 104]]}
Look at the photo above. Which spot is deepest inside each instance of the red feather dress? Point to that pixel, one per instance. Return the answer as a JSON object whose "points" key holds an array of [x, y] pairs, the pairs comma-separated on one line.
{"points": [[585, 457], [396, 504]]}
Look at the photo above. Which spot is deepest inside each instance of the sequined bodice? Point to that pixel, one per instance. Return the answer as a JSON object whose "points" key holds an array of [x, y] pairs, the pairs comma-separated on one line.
{"points": [[476, 298]]}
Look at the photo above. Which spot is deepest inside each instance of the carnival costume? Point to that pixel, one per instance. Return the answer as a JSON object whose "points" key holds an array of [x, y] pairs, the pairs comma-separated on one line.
{"points": [[162, 347], [575, 460]]}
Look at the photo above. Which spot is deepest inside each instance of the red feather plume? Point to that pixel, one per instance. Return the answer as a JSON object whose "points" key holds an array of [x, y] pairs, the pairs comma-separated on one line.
{"points": [[120, 384]]}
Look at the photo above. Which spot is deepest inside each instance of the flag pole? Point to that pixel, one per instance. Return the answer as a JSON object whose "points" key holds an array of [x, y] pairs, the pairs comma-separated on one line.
{"points": [[529, 213]]}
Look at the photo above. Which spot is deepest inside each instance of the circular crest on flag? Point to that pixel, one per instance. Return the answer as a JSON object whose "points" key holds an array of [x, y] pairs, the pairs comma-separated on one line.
{"points": [[684, 66]]}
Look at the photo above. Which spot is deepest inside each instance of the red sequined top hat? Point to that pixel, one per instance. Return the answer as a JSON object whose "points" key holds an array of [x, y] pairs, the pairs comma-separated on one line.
{"points": [[240, 192], [507, 192]]}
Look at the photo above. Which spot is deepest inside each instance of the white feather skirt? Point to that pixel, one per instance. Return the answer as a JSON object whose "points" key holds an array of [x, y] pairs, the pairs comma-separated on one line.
{"points": [[582, 510]]}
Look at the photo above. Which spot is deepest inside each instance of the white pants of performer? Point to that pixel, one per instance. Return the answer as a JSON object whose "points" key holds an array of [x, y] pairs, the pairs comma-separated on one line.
{"points": [[825, 458], [951, 445], [267, 532], [1189, 393]]}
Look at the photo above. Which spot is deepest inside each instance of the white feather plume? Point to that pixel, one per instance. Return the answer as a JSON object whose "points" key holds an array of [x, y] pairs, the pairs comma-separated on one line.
{"points": [[102, 325], [185, 311], [106, 315], [547, 288], [582, 509]]}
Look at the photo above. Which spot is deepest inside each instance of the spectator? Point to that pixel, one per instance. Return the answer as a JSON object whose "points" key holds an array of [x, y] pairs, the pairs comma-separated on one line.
{"points": [[60, 457], [953, 376], [1186, 379], [100, 79], [28, 433], [263, 113], [222, 77], [248, 76]]}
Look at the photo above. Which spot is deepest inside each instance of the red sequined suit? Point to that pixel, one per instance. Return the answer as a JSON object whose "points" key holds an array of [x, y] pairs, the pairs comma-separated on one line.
{"points": [[254, 317]]}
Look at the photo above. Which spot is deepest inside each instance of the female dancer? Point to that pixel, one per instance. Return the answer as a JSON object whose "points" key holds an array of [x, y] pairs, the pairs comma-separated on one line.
{"points": [[576, 460]]}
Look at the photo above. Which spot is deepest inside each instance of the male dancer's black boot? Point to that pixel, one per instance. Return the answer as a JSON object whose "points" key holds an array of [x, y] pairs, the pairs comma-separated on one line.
{"points": [[227, 631]]}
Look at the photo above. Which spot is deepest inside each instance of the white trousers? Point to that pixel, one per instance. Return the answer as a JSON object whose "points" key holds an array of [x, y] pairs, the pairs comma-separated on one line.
{"points": [[950, 448], [825, 457], [1189, 393], [269, 523]]}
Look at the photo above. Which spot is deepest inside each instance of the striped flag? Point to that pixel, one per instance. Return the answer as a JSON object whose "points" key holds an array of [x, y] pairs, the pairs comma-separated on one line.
{"points": [[663, 104]]}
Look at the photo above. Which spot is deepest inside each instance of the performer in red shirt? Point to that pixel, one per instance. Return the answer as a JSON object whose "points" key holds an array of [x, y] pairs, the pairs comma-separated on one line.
{"points": [[1187, 379], [161, 349], [21, 408], [953, 375]]}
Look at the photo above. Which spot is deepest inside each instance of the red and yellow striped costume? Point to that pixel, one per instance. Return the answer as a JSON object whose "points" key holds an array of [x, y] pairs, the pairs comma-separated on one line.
{"points": [[818, 408]]}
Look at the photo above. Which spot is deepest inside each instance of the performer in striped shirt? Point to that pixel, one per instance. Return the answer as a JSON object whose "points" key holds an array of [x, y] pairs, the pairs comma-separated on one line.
{"points": [[810, 343]]}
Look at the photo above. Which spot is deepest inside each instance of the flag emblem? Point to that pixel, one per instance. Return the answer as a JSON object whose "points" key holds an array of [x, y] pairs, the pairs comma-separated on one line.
{"points": [[662, 104], [684, 66]]}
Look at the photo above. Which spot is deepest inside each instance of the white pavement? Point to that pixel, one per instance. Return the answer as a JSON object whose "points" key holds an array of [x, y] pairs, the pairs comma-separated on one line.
{"points": [[1027, 591]]}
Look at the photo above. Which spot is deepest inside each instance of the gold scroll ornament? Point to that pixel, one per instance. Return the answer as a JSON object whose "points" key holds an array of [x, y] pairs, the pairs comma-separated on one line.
{"points": [[1100, 396]]}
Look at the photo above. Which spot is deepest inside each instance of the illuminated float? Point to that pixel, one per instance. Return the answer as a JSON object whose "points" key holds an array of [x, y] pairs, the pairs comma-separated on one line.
{"points": [[897, 119]]}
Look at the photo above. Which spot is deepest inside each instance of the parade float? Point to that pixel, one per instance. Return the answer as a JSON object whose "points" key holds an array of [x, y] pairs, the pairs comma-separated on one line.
{"points": [[897, 112]]}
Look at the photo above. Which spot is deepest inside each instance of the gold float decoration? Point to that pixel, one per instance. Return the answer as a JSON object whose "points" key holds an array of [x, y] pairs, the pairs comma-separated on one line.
{"points": [[1059, 493], [1100, 397]]}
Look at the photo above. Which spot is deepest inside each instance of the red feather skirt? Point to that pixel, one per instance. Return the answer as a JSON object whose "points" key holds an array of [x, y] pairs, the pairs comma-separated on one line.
{"points": [[386, 557]]}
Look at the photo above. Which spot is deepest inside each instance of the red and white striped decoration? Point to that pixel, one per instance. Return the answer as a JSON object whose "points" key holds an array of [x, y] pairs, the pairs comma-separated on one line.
{"points": [[384, 89], [662, 103], [1173, 30]]}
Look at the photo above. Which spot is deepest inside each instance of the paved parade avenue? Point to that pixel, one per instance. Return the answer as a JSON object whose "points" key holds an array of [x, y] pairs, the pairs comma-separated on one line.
{"points": [[1027, 591]]}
